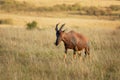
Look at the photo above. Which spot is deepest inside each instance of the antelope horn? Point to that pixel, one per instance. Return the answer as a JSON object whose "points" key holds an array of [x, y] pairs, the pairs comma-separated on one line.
{"points": [[56, 28], [62, 27]]}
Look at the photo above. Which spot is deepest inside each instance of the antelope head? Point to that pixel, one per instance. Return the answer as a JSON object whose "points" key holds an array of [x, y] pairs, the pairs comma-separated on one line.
{"points": [[59, 33]]}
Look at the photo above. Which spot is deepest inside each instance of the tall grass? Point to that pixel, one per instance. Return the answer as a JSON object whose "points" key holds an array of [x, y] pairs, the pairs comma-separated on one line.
{"points": [[31, 55]]}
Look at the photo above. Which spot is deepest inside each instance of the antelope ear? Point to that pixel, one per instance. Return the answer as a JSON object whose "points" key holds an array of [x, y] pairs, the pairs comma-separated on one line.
{"points": [[64, 30]]}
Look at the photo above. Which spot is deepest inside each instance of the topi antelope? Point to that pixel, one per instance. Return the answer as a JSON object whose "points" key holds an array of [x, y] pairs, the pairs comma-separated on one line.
{"points": [[72, 40]]}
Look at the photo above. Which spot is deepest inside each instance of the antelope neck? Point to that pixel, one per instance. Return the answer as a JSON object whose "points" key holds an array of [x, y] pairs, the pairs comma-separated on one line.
{"points": [[64, 37]]}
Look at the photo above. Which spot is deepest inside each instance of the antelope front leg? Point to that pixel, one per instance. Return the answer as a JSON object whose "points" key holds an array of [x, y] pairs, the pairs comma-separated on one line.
{"points": [[79, 54], [74, 54], [65, 55]]}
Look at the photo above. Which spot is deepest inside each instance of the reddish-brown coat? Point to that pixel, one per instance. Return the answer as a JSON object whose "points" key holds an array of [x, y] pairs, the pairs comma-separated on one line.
{"points": [[72, 40]]}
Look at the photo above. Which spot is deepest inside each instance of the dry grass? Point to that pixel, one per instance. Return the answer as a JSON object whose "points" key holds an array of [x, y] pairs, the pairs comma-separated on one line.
{"points": [[97, 3], [31, 55], [17, 7], [21, 20]]}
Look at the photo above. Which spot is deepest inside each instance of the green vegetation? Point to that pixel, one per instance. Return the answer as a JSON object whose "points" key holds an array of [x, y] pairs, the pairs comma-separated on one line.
{"points": [[32, 25], [35, 57]]}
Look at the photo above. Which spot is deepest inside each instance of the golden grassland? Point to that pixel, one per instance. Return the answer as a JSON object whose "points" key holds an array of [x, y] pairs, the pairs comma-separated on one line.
{"points": [[32, 55], [43, 22]]}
